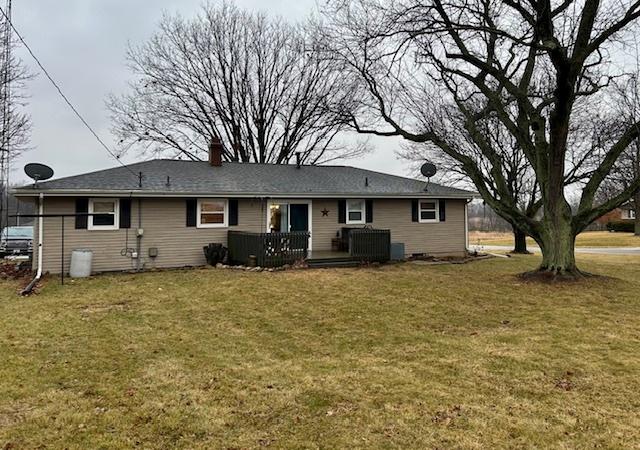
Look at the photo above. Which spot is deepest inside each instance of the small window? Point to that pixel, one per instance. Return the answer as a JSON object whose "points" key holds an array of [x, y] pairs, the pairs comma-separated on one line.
{"points": [[355, 212], [104, 214], [212, 213], [631, 213], [428, 211]]}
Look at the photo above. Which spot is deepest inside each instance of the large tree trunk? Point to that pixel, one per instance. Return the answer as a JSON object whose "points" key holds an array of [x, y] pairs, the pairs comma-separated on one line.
{"points": [[555, 233], [558, 252], [520, 241], [557, 243], [557, 237]]}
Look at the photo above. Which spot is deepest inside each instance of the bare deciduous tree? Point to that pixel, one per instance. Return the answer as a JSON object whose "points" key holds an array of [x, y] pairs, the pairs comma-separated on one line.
{"points": [[541, 68], [15, 123], [242, 77], [519, 178], [627, 168], [15, 130]]}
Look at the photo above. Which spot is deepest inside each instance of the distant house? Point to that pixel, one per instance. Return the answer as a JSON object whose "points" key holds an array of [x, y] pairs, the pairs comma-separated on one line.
{"points": [[627, 213], [160, 213], [624, 213]]}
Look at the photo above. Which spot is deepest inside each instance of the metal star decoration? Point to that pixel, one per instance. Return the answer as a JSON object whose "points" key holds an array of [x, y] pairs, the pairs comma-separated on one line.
{"points": [[325, 212]]}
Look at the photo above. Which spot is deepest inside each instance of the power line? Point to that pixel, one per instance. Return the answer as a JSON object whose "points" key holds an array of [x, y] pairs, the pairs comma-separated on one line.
{"points": [[64, 97]]}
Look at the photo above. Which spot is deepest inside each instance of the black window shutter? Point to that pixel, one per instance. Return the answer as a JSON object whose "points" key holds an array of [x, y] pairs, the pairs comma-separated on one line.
{"points": [[82, 207], [369, 209], [442, 203], [192, 209], [414, 210], [125, 213], [233, 212], [342, 211]]}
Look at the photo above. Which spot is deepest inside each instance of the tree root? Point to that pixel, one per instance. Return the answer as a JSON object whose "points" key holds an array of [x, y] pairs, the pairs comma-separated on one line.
{"points": [[556, 275]]}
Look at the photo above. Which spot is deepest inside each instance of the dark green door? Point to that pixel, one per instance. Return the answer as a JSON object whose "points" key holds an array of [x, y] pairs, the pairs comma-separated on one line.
{"points": [[299, 217]]}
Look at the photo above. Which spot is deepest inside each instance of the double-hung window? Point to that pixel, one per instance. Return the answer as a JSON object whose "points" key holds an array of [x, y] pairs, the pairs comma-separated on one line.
{"points": [[428, 211], [212, 213], [355, 212], [104, 214]]}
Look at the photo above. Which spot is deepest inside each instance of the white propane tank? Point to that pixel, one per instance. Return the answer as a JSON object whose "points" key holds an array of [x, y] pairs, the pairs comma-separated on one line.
{"points": [[81, 260]]}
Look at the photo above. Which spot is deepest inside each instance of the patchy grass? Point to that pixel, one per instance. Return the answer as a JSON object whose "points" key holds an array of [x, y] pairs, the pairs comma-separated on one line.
{"points": [[404, 356], [586, 239]]}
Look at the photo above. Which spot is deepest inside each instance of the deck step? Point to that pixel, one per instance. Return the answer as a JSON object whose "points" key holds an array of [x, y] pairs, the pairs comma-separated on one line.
{"points": [[332, 262]]}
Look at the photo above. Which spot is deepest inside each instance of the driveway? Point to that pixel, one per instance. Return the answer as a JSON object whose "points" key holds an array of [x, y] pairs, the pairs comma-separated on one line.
{"points": [[534, 249]]}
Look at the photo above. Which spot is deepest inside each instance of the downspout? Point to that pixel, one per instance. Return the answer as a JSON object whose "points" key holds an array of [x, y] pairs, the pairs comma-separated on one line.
{"points": [[27, 290], [139, 232], [466, 225]]}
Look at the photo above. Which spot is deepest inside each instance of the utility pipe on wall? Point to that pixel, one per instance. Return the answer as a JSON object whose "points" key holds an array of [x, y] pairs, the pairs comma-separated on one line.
{"points": [[27, 290], [40, 234], [466, 224], [139, 232]]}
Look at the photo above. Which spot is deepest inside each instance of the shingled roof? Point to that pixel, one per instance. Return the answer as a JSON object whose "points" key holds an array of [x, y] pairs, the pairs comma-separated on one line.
{"points": [[176, 177]]}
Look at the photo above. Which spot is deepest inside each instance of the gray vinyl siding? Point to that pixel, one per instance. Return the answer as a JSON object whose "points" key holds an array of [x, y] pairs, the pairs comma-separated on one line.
{"points": [[164, 225], [324, 228], [440, 238]]}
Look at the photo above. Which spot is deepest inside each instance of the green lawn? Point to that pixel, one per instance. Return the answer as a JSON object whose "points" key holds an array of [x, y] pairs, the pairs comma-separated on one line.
{"points": [[404, 356], [586, 239]]}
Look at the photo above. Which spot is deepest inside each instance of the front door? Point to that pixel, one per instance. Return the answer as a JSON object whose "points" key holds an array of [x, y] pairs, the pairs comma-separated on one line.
{"points": [[299, 217]]}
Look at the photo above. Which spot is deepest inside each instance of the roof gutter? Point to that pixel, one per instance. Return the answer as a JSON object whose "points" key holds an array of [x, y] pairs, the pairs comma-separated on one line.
{"points": [[118, 193]]}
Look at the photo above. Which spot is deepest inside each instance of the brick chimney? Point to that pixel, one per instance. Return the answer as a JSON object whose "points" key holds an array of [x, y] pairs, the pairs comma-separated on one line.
{"points": [[215, 152]]}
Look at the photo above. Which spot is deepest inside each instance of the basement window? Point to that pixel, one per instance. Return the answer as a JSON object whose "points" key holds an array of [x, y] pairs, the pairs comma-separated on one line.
{"points": [[106, 214], [429, 211], [355, 212], [212, 213]]}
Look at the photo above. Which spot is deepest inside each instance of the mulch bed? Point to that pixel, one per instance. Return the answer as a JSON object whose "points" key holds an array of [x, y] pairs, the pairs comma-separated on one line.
{"points": [[14, 270], [20, 271], [425, 260]]}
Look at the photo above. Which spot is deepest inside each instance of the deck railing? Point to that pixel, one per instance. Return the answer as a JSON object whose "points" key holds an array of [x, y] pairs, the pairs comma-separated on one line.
{"points": [[270, 249], [370, 245]]}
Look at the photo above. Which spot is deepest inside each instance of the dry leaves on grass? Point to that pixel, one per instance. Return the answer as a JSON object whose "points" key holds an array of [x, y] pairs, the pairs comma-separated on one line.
{"points": [[565, 382], [104, 307], [446, 416]]}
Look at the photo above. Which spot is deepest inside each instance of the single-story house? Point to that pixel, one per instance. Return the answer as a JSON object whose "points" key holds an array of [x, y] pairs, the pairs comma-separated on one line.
{"points": [[160, 213]]}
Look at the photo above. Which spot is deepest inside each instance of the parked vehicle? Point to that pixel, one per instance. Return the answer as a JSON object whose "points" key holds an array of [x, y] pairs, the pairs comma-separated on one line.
{"points": [[16, 241]]}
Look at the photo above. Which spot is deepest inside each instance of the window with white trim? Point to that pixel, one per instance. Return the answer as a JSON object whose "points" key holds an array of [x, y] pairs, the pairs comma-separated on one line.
{"points": [[213, 213], [631, 213], [428, 211], [104, 214], [355, 212]]}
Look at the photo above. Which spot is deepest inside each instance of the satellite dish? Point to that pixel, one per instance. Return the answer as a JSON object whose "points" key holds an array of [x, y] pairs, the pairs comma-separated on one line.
{"points": [[38, 172], [428, 169]]}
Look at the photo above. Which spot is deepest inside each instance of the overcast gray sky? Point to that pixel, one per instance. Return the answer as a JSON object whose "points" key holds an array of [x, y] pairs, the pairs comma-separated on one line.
{"points": [[82, 44]]}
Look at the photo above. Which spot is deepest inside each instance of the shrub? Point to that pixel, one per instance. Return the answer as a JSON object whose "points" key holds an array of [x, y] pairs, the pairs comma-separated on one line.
{"points": [[624, 226]]}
